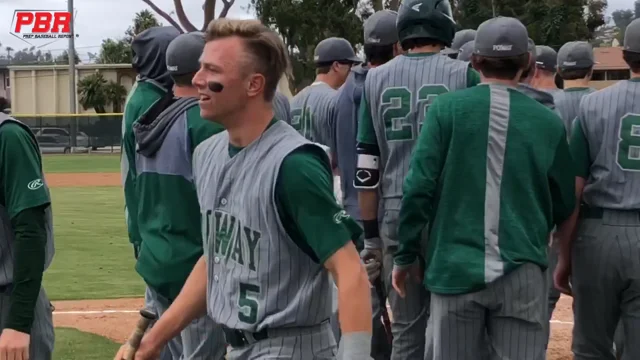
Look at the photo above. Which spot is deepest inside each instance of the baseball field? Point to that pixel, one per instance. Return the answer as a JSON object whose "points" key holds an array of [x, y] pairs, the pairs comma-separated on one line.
{"points": [[92, 283]]}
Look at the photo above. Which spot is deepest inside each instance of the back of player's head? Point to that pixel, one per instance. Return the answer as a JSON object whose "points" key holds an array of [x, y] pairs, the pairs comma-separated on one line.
{"points": [[333, 50], [461, 38], [183, 57], [380, 36], [631, 49], [466, 51], [546, 59], [501, 48], [527, 74], [575, 60], [425, 22]]}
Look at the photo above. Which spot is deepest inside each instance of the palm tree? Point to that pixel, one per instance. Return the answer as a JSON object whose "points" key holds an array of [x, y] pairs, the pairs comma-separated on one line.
{"points": [[91, 93], [116, 95], [9, 51], [142, 21]]}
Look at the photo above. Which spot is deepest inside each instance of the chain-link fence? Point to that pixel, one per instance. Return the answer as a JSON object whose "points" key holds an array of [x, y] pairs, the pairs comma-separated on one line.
{"points": [[92, 131]]}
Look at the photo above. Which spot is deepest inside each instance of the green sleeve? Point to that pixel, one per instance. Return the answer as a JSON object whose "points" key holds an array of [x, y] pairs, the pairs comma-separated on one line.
{"points": [[128, 172], [366, 132], [199, 128], [30, 231], [420, 186], [580, 150], [20, 170], [323, 228], [473, 77], [562, 181]]}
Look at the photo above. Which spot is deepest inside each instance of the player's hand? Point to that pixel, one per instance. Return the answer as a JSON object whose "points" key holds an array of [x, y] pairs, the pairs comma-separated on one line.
{"points": [[372, 259], [14, 345], [403, 274], [562, 274], [146, 351]]}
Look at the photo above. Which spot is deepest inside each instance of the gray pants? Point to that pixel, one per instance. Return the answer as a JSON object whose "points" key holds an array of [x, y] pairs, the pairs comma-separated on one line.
{"points": [[506, 319], [410, 314], [42, 336], [312, 343], [554, 294], [201, 340], [606, 284]]}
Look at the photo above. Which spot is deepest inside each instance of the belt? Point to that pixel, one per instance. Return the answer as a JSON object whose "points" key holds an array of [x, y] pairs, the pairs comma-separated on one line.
{"points": [[587, 212], [240, 338]]}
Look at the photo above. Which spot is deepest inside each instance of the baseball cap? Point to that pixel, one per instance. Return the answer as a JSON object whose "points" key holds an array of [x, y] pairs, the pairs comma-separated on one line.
{"points": [[380, 28], [466, 51], [546, 58], [460, 38], [183, 53], [632, 37], [501, 37], [334, 49], [575, 55]]}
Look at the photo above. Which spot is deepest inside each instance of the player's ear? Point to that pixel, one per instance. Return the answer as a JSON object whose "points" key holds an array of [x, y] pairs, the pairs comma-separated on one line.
{"points": [[256, 84]]}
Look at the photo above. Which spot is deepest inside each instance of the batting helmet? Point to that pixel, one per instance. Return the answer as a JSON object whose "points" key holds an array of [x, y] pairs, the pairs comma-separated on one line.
{"points": [[426, 19]]}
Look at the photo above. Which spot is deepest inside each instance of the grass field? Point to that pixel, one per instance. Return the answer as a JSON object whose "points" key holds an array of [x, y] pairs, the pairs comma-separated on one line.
{"points": [[72, 344], [81, 163]]}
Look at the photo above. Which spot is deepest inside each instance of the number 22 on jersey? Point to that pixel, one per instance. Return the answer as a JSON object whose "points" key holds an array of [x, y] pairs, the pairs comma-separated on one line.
{"points": [[629, 143], [397, 104]]}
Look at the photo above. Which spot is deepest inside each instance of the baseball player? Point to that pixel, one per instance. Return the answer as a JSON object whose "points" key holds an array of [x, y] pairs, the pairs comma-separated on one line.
{"points": [[166, 137], [489, 196], [311, 108], [153, 82], [394, 102], [265, 272], [380, 46], [603, 259], [459, 39], [26, 246], [528, 78], [545, 70], [466, 51]]}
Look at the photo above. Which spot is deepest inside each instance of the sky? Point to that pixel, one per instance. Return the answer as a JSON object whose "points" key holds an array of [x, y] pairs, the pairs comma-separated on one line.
{"points": [[100, 19]]}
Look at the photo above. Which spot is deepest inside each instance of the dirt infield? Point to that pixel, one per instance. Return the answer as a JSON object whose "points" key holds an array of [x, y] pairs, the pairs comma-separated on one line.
{"points": [[115, 319], [83, 179]]}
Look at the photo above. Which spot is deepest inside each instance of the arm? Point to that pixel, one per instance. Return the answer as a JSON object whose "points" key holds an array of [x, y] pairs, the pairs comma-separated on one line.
{"points": [[128, 175], [367, 177], [420, 187], [20, 165], [305, 179]]}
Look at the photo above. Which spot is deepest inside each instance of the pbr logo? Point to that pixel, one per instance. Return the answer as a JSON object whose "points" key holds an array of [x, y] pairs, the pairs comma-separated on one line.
{"points": [[41, 24]]}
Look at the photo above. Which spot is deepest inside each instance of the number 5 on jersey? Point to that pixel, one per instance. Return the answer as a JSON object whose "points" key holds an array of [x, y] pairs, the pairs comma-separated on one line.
{"points": [[629, 143], [398, 104]]}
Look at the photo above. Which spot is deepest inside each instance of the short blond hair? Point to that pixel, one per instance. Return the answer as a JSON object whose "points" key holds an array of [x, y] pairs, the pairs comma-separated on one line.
{"points": [[267, 52]]}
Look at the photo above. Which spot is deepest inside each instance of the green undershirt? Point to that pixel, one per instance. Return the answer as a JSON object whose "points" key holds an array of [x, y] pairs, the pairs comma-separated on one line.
{"points": [[307, 206], [20, 164]]}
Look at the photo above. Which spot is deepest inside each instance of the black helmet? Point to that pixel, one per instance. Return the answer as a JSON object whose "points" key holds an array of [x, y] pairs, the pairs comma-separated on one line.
{"points": [[426, 19]]}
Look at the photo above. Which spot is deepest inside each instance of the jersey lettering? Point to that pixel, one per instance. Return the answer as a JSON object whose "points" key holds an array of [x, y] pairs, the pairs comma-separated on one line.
{"points": [[629, 143], [234, 241], [248, 303], [302, 120], [397, 103]]}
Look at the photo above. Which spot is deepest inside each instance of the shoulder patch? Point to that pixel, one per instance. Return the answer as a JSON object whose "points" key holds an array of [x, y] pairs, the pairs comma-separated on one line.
{"points": [[35, 184]]}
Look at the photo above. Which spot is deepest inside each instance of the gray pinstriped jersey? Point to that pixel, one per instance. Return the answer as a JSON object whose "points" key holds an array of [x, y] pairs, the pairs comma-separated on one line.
{"points": [[7, 236], [312, 113], [568, 103], [399, 93], [281, 107], [257, 276], [610, 120]]}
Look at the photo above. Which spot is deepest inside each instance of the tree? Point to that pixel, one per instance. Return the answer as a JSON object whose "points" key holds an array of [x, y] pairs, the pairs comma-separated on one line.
{"points": [[91, 92], [622, 18], [637, 9], [115, 94], [141, 22], [64, 58], [209, 11], [114, 52]]}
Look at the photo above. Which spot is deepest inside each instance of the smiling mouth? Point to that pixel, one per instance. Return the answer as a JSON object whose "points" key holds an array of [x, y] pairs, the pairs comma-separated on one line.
{"points": [[204, 97]]}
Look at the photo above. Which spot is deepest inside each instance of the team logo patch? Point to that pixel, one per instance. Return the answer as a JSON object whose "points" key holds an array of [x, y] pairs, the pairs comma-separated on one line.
{"points": [[35, 184], [340, 216], [363, 175]]}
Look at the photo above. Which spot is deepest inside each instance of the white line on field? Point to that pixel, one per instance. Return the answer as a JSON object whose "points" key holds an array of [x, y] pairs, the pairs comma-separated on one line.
{"points": [[95, 312]]}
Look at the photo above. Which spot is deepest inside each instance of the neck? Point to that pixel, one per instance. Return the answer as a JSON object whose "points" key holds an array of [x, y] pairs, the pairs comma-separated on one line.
{"points": [[578, 83], [185, 91], [427, 49], [488, 80], [327, 79], [247, 125], [544, 83], [635, 75]]}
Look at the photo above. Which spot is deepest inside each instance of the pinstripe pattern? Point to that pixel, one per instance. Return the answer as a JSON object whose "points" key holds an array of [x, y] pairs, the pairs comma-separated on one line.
{"points": [[601, 116], [42, 335], [316, 343], [567, 104], [201, 340], [512, 311], [411, 73], [312, 113], [257, 276], [606, 281]]}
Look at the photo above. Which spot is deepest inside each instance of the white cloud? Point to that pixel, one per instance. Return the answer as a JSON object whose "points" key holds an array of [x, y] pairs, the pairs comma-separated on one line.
{"points": [[98, 19]]}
